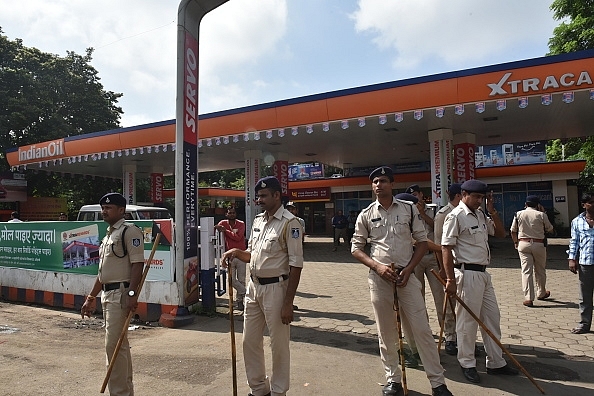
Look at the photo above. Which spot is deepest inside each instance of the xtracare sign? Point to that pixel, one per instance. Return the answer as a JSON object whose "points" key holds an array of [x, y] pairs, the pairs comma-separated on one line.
{"points": [[510, 85]]}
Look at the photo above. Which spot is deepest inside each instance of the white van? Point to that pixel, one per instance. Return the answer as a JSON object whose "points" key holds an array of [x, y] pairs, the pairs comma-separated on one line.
{"points": [[133, 212]]}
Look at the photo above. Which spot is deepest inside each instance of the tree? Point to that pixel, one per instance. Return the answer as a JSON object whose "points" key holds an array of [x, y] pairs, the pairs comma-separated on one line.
{"points": [[575, 33], [43, 97], [578, 33]]}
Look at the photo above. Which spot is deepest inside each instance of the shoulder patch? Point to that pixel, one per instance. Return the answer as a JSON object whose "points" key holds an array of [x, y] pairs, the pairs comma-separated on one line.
{"points": [[295, 232], [136, 242]]}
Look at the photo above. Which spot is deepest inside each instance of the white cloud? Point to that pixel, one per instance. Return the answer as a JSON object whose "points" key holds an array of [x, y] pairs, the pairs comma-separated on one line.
{"points": [[455, 31]]}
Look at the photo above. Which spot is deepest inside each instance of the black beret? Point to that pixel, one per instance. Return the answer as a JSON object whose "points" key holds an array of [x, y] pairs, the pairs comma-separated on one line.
{"points": [[412, 189], [533, 199], [455, 188], [268, 182], [474, 186], [114, 199], [382, 171], [407, 197]]}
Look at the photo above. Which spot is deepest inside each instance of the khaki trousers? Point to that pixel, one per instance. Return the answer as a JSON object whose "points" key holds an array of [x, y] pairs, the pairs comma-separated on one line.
{"points": [[422, 270], [263, 305], [115, 313], [533, 257], [238, 281], [476, 290], [414, 316]]}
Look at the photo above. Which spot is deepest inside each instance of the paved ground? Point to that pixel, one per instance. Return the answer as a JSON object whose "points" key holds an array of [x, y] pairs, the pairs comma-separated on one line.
{"points": [[334, 348]]}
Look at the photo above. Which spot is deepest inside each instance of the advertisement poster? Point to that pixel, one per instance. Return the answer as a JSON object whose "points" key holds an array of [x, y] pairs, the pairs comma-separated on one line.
{"points": [[73, 247], [306, 171], [510, 154]]}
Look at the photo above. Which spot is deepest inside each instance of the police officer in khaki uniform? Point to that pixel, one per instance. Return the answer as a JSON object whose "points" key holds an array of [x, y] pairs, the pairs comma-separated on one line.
{"points": [[454, 196], [528, 232], [121, 261], [275, 256], [389, 224], [465, 248]]}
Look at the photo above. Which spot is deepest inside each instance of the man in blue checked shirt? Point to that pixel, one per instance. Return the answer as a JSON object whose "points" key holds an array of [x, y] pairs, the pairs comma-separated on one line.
{"points": [[581, 251]]}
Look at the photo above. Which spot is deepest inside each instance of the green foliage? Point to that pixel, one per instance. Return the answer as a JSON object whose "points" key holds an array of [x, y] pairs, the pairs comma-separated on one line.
{"points": [[43, 97], [576, 32]]}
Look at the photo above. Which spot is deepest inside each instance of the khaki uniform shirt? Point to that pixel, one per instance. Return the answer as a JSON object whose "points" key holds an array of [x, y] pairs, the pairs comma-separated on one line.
{"points": [[430, 212], [468, 232], [531, 223], [389, 232], [117, 269], [275, 244], [439, 220]]}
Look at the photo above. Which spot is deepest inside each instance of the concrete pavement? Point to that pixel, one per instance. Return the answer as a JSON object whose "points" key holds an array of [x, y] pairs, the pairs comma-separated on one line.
{"points": [[333, 297]]}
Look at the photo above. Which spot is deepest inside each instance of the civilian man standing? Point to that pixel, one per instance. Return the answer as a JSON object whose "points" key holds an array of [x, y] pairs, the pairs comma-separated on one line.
{"points": [[275, 254], [121, 260], [528, 233], [465, 247], [340, 223], [391, 225], [581, 260], [234, 231]]}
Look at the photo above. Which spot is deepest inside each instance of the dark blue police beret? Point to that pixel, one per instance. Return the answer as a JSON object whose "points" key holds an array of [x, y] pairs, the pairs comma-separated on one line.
{"points": [[113, 199], [407, 197], [533, 199], [474, 186], [455, 188], [382, 171], [412, 189], [268, 182]]}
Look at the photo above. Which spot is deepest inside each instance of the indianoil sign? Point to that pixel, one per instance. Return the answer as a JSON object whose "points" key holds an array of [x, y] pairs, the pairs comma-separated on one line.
{"points": [[46, 150]]}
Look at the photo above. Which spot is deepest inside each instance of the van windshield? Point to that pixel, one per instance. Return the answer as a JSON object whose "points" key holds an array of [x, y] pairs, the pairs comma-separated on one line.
{"points": [[153, 214]]}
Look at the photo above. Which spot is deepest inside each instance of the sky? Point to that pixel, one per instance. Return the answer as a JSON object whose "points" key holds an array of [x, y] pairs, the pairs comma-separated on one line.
{"points": [[259, 51]]}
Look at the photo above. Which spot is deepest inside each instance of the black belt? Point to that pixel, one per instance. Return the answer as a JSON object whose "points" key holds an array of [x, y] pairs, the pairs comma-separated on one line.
{"points": [[114, 286], [267, 281], [472, 267]]}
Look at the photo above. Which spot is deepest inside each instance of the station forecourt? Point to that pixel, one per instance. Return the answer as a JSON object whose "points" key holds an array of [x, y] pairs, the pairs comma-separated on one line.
{"points": [[491, 123], [476, 115]]}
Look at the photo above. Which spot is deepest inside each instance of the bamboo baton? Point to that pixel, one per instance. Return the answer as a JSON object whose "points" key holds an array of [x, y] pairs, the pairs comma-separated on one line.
{"points": [[480, 322], [127, 322], [400, 337], [232, 326], [445, 307]]}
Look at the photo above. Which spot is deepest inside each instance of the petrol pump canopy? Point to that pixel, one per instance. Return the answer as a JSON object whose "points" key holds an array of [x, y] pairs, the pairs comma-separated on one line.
{"points": [[530, 100]]}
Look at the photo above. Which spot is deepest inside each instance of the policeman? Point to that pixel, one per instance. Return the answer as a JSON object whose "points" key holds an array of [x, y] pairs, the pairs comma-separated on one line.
{"points": [[454, 196], [391, 225], [275, 257], [528, 232], [465, 247], [121, 260]]}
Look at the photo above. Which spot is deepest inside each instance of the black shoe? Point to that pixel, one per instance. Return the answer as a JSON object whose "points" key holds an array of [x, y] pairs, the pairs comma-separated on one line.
{"points": [[393, 389], [471, 374], [441, 390], [451, 348], [410, 361], [505, 370]]}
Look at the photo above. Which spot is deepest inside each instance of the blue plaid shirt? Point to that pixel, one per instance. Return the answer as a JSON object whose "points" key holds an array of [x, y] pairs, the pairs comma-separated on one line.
{"points": [[582, 241]]}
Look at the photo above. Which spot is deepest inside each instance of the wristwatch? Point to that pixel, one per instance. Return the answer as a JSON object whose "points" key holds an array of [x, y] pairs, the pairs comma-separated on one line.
{"points": [[131, 293]]}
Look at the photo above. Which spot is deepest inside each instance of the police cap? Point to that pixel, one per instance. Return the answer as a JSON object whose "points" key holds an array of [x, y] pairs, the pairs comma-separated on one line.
{"points": [[407, 197], [533, 199], [455, 188], [412, 189], [113, 199], [270, 182], [382, 171], [474, 186]]}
